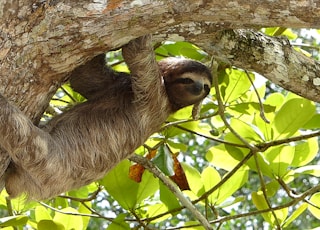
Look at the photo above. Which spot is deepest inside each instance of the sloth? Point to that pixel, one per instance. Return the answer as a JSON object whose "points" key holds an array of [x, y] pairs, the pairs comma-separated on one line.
{"points": [[82, 144]]}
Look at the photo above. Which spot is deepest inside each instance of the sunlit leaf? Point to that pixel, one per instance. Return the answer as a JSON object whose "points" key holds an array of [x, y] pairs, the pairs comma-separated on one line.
{"points": [[127, 192], [219, 157], [50, 225], [305, 152], [275, 99], [210, 177], [313, 170], [261, 204], [167, 197], [315, 207], [193, 177], [156, 210], [235, 182], [292, 116], [41, 213], [69, 221], [119, 223], [296, 213], [247, 131], [238, 84], [313, 123], [13, 221], [280, 158]]}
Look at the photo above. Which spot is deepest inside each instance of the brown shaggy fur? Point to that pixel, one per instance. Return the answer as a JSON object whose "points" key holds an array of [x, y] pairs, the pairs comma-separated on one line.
{"points": [[122, 111]]}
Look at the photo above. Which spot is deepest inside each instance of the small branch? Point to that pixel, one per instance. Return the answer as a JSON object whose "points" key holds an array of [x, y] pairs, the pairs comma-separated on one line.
{"points": [[225, 178], [211, 138], [93, 196], [264, 190], [70, 213], [264, 146], [221, 109], [173, 188], [262, 114]]}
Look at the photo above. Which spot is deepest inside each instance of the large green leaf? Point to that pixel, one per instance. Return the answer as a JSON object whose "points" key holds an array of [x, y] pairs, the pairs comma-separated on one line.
{"points": [[41, 213], [69, 221], [259, 201], [167, 197], [233, 184], [219, 157], [292, 116], [50, 225], [127, 192], [238, 84], [13, 221], [305, 151], [194, 178], [315, 204], [210, 177], [280, 158]]}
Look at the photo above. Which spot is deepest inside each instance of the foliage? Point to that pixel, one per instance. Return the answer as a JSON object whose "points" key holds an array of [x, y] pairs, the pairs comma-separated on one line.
{"points": [[249, 161]]}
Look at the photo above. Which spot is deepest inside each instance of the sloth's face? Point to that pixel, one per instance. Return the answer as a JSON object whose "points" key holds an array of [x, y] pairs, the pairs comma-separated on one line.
{"points": [[187, 82], [188, 89]]}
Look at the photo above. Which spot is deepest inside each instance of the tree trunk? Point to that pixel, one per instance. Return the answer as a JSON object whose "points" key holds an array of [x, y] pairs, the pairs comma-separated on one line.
{"points": [[41, 42]]}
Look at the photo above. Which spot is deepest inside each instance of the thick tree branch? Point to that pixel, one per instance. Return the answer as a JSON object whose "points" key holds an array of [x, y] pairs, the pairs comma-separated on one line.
{"points": [[272, 57]]}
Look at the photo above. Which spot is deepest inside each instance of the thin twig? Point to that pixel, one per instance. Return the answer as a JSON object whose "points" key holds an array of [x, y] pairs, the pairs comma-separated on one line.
{"points": [[225, 178], [262, 114], [221, 110], [93, 196], [264, 190], [173, 188], [211, 138]]}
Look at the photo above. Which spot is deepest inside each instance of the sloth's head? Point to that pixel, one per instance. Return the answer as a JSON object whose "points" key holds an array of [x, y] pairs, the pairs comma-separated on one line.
{"points": [[187, 81]]}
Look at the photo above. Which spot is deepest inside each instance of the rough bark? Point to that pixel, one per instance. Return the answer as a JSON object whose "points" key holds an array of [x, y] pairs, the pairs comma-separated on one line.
{"points": [[42, 41]]}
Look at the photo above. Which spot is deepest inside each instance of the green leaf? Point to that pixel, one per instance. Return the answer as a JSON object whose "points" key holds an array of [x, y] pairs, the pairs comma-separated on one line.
{"points": [[238, 84], [210, 177], [261, 204], [248, 131], [156, 210], [163, 160], [305, 152], [69, 221], [83, 209], [315, 200], [232, 185], [219, 157], [118, 183], [275, 99], [167, 197], [194, 178], [280, 158], [13, 221], [41, 213], [231, 201], [119, 223], [296, 213], [50, 225], [292, 116], [313, 170], [147, 187], [313, 123]]}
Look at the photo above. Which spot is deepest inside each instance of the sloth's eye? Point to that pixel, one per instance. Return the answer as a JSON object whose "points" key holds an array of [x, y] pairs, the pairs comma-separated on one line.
{"points": [[185, 81]]}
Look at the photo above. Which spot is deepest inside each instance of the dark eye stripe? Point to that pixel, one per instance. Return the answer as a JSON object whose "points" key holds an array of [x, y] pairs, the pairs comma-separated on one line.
{"points": [[183, 81]]}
